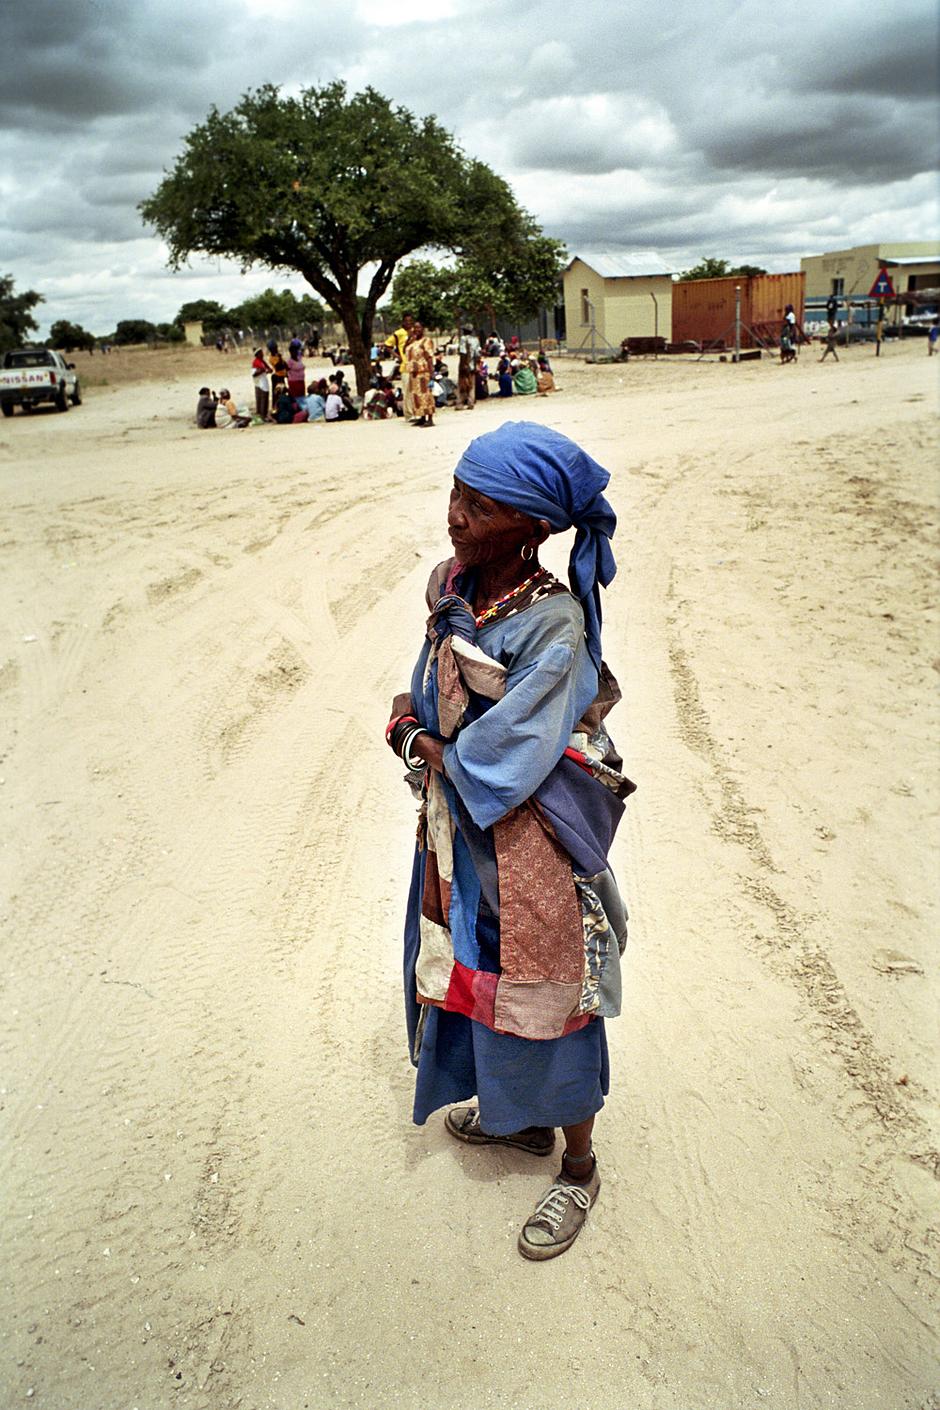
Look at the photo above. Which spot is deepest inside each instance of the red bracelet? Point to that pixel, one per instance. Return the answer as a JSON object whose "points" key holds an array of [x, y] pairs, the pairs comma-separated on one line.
{"points": [[399, 719]]}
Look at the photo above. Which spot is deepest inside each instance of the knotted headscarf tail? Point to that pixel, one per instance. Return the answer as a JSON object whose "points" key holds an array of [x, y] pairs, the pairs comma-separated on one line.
{"points": [[548, 476]]}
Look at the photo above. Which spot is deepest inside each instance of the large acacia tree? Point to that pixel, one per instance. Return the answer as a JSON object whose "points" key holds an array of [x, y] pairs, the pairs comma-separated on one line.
{"points": [[326, 184]]}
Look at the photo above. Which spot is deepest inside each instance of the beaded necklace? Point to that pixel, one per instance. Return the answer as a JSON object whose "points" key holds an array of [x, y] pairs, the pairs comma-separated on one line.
{"points": [[491, 612]]}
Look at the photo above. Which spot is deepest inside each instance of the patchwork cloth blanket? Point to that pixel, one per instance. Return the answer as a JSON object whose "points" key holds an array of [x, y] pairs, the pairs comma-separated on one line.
{"points": [[515, 919]]}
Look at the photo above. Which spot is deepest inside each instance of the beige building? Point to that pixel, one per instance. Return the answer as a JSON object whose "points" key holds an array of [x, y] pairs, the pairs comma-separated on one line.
{"points": [[193, 334], [609, 297], [912, 264]]}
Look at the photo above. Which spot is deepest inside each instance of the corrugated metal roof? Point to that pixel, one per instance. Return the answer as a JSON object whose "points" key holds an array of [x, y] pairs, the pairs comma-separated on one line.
{"points": [[913, 259], [639, 264]]}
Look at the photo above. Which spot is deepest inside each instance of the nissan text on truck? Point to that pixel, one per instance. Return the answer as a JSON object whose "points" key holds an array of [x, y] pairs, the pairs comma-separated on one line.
{"points": [[32, 375]]}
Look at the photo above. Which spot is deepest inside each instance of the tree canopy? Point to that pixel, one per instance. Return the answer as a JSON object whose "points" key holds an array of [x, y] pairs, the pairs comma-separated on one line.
{"points": [[135, 330], [712, 268], [327, 184], [208, 312], [16, 317], [271, 309], [68, 336], [425, 290], [475, 291]]}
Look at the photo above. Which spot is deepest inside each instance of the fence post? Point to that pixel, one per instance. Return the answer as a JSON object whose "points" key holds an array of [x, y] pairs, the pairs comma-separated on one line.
{"points": [[737, 322]]}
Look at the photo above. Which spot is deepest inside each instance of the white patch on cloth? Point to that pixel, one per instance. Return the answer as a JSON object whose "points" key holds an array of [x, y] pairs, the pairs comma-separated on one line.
{"points": [[440, 828], [435, 960], [481, 673]]}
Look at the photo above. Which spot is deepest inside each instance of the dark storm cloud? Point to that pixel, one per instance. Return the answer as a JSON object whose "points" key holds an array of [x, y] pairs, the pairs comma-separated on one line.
{"points": [[870, 140]]}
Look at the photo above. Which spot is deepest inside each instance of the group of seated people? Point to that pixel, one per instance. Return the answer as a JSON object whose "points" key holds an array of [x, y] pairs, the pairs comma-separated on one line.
{"points": [[521, 376], [218, 410], [283, 396], [323, 401]]}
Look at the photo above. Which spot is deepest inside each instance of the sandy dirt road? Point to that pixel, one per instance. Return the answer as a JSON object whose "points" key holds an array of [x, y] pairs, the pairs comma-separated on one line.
{"points": [[214, 1194]]}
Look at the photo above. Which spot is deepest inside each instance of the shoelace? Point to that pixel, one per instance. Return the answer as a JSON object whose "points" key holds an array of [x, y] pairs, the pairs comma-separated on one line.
{"points": [[553, 1206]]}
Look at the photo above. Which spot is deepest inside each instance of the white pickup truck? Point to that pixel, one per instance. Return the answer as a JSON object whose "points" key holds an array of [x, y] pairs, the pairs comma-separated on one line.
{"points": [[31, 375]]}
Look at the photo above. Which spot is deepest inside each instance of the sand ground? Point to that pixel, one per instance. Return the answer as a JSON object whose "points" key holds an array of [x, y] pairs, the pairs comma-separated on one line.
{"points": [[215, 1197]]}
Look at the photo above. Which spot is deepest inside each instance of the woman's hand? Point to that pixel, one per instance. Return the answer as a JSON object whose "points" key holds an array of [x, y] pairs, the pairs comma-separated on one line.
{"points": [[430, 750]]}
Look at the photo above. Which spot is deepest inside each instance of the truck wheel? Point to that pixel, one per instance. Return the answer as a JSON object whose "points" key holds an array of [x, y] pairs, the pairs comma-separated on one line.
{"points": [[77, 395], [62, 401], [7, 408]]}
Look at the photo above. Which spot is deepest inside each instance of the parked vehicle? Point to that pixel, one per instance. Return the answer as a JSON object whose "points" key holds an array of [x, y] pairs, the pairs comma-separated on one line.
{"points": [[33, 375]]}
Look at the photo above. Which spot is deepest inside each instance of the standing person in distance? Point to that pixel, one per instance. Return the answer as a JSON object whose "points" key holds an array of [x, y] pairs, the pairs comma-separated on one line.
{"points": [[419, 351], [397, 342], [260, 376], [468, 351]]}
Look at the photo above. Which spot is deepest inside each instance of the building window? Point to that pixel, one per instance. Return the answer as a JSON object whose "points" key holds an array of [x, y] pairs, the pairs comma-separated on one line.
{"points": [[838, 286], [585, 306]]}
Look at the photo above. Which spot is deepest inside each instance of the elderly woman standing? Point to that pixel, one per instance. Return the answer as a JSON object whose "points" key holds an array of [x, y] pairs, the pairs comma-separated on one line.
{"points": [[419, 352], [515, 926]]}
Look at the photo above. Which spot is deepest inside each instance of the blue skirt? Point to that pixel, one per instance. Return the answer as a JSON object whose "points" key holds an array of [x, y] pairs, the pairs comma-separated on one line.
{"points": [[519, 1081]]}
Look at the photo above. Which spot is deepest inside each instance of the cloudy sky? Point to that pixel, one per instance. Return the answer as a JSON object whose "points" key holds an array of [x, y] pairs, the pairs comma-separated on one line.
{"points": [[758, 131]]}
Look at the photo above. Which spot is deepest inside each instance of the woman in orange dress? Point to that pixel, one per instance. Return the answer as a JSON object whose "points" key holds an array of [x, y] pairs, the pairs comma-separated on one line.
{"points": [[419, 350]]}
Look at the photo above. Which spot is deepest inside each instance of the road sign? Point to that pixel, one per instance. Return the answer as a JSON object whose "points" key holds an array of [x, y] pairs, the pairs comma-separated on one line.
{"points": [[882, 287]]}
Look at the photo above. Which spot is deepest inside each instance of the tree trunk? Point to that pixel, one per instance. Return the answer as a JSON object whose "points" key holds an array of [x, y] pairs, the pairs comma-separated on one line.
{"points": [[356, 342]]}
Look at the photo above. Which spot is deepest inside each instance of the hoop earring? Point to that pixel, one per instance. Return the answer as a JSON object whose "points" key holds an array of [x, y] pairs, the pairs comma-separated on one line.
{"points": [[527, 552]]}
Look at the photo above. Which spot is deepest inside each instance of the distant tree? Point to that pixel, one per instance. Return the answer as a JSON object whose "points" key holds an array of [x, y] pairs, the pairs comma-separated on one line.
{"points": [[16, 319], [706, 269], [271, 309], [135, 330], [326, 185], [170, 333], [476, 291], [527, 280], [427, 291], [208, 312], [67, 336], [720, 269]]}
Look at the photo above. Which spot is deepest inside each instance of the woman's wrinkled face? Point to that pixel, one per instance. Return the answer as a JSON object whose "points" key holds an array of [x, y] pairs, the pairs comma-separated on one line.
{"points": [[483, 531]]}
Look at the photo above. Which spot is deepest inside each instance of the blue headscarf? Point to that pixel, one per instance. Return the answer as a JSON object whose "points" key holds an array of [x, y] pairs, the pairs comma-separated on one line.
{"points": [[547, 476]]}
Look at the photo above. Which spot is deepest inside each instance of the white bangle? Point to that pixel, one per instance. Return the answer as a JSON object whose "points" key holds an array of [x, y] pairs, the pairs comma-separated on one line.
{"points": [[407, 759]]}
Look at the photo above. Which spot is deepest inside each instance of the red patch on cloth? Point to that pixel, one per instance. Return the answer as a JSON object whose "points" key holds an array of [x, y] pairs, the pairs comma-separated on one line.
{"points": [[472, 992]]}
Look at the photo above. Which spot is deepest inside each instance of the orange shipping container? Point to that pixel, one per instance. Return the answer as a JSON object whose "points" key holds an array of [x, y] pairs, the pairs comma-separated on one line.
{"points": [[703, 309]]}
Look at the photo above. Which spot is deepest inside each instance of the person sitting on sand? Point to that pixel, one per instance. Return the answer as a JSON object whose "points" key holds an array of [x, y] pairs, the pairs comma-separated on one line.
{"points": [[504, 376], [228, 414], [482, 374], [374, 406], [205, 409], [286, 409], [524, 383], [314, 402], [546, 381]]}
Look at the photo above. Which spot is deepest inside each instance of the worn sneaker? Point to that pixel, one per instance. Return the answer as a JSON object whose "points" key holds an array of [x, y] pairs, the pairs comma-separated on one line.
{"points": [[558, 1217], [464, 1123]]}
